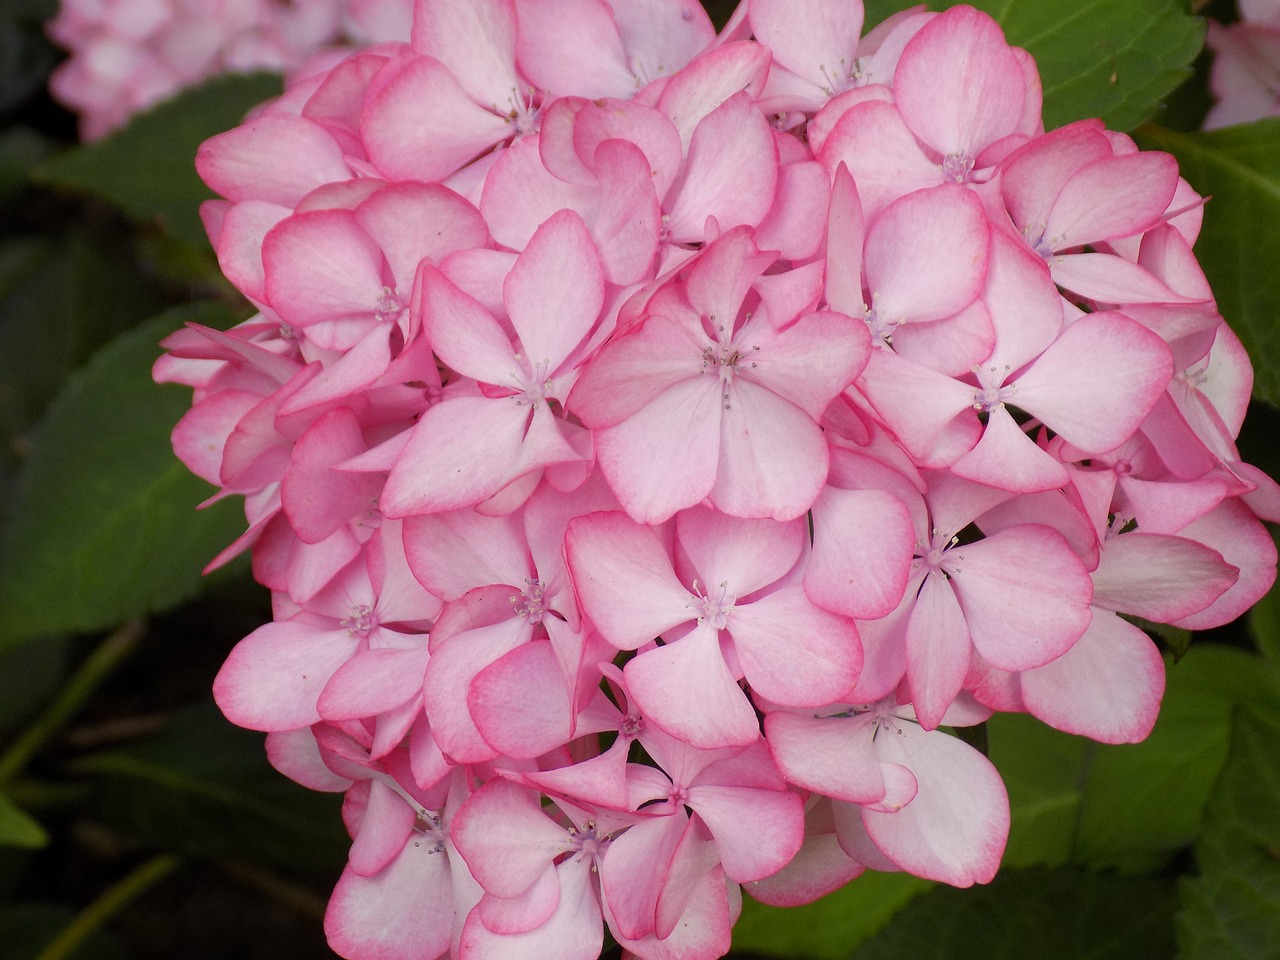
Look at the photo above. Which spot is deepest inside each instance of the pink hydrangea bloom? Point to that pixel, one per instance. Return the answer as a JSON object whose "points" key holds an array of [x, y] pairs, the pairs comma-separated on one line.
{"points": [[760, 406], [127, 55]]}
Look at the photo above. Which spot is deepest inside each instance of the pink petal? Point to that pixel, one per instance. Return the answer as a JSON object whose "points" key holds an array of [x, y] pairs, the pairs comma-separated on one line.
{"points": [[745, 554], [520, 703], [384, 831], [1024, 594], [1160, 577], [958, 85], [321, 266], [1098, 381], [938, 651], [422, 125], [278, 157], [404, 912], [687, 690], [817, 40], [793, 653], [624, 579], [273, 677], [731, 172], [773, 458], [1106, 687], [756, 831], [955, 828], [862, 549], [476, 40], [573, 48], [664, 458], [832, 756], [443, 468], [926, 254], [555, 290]]}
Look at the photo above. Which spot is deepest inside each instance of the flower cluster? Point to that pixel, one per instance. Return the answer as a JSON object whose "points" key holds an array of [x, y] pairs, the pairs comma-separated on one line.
{"points": [[127, 55], [1245, 78], [653, 439]]}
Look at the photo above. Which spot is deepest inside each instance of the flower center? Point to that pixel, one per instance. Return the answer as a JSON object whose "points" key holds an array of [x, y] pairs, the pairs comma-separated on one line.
{"points": [[428, 825], [991, 393], [531, 381], [389, 306], [713, 608], [528, 603], [361, 621], [957, 167]]}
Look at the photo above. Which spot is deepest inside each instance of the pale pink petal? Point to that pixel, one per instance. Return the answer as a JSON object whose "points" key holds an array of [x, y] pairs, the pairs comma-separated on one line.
{"points": [[505, 838], [624, 579], [862, 547], [1112, 198], [955, 828], [756, 831], [520, 703], [555, 290], [278, 157], [687, 690], [443, 467], [958, 85], [709, 81], [731, 172], [1106, 687], [817, 39], [664, 458], [1024, 593], [384, 830], [405, 912], [745, 554], [573, 48], [476, 40], [321, 266], [273, 677], [1160, 577], [1007, 458], [926, 254], [1098, 381], [938, 650], [793, 653], [422, 125], [832, 756], [773, 458]]}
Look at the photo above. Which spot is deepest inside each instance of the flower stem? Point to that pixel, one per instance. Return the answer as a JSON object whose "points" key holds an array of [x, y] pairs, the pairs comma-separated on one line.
{"points": [[112, 901], [70, 697]]}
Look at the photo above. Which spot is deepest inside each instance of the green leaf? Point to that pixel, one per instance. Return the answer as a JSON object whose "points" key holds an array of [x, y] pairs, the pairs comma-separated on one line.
{"points": [[1035, 915], [20, 149], [1238, 168], [828, 928], [1114, 59], [1041, 768], [102, 524], [148, 168], [17, 829], [1076, 801], [203, 787], [1232, 910], [1148, 797], [26, 928], [1264, 624], [28, 674], [60, 301]]}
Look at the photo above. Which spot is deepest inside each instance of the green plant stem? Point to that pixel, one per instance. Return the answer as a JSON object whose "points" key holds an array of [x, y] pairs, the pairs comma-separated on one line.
{"points": [[70, 698], [112, 901]]}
